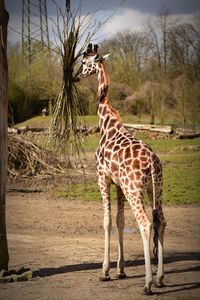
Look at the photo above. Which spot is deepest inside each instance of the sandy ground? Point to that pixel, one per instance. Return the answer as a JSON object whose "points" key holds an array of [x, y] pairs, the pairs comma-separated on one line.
{"points": [[62, 242]]}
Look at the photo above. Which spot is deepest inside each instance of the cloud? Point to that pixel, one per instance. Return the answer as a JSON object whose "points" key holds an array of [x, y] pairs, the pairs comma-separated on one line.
{"points": [[127, 20], [15, 23], [134, 20]]}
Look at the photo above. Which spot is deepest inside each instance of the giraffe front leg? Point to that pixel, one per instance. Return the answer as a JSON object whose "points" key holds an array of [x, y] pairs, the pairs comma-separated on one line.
{"points": [[104, 185], [106, 262], [120, 225]]}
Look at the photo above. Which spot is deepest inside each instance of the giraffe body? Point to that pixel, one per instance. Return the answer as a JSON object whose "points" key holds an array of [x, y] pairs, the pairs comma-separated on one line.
{"points": [[133, 167]]}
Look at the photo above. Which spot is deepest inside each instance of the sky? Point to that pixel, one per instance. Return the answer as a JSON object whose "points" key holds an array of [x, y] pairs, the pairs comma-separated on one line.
{"points": [[126, 14]]}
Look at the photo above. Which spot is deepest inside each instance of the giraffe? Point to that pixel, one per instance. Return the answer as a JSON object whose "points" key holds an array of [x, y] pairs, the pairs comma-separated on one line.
{"points": [[133, 167]]}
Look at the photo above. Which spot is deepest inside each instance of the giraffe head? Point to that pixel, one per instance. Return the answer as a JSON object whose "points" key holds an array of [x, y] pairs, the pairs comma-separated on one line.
{"points": [[90, 62]]}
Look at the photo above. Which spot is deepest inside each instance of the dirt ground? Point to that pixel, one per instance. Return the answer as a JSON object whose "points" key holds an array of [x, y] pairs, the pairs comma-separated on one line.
{"points": [[62, 242]]}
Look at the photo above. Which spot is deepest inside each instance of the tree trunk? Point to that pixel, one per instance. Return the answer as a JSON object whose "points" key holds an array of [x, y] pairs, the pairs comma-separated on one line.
{"points": [[4, 257], [152, 108]]}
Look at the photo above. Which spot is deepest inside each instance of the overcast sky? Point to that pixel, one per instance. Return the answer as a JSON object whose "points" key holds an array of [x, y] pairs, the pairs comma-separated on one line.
{"points": [[129, 14]]}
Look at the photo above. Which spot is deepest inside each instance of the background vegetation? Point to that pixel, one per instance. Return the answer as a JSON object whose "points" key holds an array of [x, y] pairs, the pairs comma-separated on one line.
{"points": [[155, 72]]}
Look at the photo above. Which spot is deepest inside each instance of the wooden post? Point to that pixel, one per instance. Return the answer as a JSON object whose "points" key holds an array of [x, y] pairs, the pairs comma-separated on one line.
{"points": [[4, 257]]}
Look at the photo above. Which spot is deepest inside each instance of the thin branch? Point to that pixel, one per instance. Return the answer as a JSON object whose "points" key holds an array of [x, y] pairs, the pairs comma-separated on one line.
{"points": [[34, 39]]}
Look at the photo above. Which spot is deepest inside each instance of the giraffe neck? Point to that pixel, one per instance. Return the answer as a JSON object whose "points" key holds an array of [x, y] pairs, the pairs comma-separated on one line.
{"points": [[104, 82], [108, 117]]}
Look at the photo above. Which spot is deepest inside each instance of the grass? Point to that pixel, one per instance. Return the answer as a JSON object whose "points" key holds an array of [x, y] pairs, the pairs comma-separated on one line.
{"points": [[127, 118], [36, 122], [87, 191], [166, 146], [89, 120], [181, 178], [91, 142], [159, 146]]}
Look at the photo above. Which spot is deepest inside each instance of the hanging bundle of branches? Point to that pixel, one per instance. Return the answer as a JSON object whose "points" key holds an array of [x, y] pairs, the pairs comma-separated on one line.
{"points": [[64, 125], [72, 33]]}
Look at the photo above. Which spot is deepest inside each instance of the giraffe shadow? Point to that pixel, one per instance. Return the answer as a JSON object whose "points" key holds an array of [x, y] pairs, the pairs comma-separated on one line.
{"points": [[169, 258], [172, 288]]}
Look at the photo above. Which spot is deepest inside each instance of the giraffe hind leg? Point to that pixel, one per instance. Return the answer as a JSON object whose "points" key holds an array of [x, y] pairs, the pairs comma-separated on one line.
{"points": [[137, 205], [145, 230], [159, 224], [161, 230], [120, 225]]}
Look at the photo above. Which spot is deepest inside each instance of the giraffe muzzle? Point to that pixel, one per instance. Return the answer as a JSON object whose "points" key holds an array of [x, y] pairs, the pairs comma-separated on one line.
{"points": [[77, 78]]}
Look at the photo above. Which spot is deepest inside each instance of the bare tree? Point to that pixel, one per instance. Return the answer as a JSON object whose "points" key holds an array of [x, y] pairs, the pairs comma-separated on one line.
{"points": [[4, 257], [182, 91], [128, 52], [157, 34], [184, 45], [194, 41]]}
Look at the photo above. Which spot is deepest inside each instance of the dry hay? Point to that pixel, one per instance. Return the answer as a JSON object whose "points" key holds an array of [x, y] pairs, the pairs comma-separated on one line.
{"points": [[28, 159]]}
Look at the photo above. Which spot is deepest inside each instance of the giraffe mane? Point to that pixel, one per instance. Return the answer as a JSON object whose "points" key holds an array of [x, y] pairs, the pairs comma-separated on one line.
{"points": [[116, 113]]}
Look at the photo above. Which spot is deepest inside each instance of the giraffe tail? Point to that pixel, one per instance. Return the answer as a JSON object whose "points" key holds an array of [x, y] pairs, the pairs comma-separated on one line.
{"points": [[156, 220], [156, 225]]}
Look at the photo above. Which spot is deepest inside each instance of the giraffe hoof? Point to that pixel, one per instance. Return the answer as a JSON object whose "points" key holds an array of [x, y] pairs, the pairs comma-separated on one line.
{"points": [[121, 276], [147, 291], [159, 285], [104, 278]]}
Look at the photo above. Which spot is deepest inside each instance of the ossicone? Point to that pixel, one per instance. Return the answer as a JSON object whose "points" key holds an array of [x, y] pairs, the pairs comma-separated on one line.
{"points": [[92, 49], [89, 48], [96, 48]]}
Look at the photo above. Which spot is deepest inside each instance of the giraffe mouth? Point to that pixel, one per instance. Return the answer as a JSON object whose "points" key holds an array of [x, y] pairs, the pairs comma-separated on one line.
{"points": [[77, 78]]}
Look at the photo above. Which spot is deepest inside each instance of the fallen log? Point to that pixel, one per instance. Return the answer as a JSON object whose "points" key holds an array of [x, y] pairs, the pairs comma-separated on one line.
{"points": [[21, 190], [25, 129], [156, 128], [183, 136]]}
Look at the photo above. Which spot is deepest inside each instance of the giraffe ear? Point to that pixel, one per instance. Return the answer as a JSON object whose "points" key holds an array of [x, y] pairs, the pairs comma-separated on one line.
{"points": [[105, 57], [97, 57], [101, 58]]}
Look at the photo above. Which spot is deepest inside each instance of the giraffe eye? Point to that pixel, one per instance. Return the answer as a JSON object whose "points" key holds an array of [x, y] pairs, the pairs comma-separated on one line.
{"points": [[83, 62]]}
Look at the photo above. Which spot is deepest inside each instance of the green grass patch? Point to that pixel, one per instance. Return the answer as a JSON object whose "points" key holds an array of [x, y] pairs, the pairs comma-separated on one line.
{"points": [[83, 191], [91, 142], [36, 122], [181, 180], [44, 122], [159, 146], [89, 120], [171, 145], [93, 120]]}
